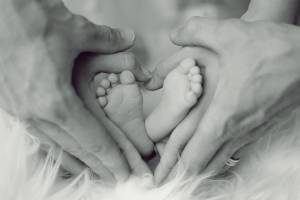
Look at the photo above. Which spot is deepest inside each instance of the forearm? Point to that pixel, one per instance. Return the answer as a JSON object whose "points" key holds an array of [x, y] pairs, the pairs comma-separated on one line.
{"points": [[272, 10]]}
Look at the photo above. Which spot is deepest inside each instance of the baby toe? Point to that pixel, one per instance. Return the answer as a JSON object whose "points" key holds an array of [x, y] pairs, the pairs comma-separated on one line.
{"points": [[105, 83], [191, 98], [195, 70], [113, 78], [102, 101], [127, 77], [100, 92], [99, 77], [196, 88], [187, 64], [197, 78]]}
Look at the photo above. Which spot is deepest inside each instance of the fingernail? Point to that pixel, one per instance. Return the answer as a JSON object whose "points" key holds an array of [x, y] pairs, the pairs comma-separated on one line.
{"points": [[128, 34]]}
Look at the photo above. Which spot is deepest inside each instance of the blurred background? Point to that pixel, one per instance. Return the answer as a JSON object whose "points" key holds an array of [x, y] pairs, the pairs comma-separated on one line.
{"points": [[152, 20]]}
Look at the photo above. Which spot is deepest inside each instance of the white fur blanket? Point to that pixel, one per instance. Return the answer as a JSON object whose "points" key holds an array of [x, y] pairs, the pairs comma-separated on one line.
{"points": [[270, 171]]}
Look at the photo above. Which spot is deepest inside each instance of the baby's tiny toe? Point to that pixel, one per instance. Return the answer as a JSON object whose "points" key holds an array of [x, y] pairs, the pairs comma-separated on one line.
{"points": [[127, 77], [195, 70], [105, 83], [99, 77], [100, 92], [113, 78], [191, 97], [197, 78], [102, 101], [186, 64], [196, 88]]}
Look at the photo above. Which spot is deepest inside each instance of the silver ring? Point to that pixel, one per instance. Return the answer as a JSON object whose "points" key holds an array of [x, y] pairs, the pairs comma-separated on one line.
{"points": [[231, 162]]}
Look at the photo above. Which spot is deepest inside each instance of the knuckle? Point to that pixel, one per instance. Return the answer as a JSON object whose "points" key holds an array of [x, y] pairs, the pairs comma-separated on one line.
{"points": [[107, 33], [109, 36]]}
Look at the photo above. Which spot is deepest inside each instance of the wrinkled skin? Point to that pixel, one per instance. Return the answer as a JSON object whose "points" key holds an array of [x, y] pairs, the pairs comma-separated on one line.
{"points": [[40, 41]]}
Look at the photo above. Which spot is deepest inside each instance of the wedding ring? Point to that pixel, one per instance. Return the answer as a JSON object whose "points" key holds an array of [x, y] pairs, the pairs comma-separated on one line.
{"points": [[231, 162]]}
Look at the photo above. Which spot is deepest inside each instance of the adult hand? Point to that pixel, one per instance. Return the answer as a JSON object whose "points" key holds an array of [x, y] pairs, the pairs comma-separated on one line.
{"points": [[279, 11], [40, 41], [258, 80]]}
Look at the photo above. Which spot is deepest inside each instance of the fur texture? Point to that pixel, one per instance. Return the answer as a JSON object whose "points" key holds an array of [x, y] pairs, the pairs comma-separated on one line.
{"points": [[269, 170]]}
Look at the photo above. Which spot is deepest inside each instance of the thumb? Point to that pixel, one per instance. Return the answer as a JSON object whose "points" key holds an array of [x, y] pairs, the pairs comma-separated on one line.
{"points": [[93, 64], [103, 39], [198, 31]]}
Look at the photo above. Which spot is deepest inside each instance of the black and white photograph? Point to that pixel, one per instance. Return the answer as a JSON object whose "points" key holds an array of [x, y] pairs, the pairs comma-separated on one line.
{"points": [[149, 99]]}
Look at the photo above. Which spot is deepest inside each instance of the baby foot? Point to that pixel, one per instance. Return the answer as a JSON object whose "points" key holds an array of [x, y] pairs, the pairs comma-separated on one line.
{"points": [[181, 90], [121, 100]]}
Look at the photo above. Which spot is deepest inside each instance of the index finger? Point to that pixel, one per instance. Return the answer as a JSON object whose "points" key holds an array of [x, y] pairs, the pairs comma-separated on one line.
{"points": [[207, 140], [100, 38]]}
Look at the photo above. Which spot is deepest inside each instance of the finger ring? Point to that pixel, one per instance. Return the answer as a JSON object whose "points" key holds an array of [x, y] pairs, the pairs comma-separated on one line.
{"points": [[231, 162]]}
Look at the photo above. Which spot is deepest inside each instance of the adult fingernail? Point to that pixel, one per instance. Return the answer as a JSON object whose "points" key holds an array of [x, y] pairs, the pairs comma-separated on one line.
{"points": [[128, 34]]}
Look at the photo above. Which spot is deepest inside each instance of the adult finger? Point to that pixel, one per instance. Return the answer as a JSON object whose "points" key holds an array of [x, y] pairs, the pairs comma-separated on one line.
{"points": [[202, 56], [235, 146], [185, 130], [208, 139], [113, 63], [198, 31], [68, 162], [136, 163], [278, 11], [160, 146], [100, 38], [82, 150], [218, 162]]}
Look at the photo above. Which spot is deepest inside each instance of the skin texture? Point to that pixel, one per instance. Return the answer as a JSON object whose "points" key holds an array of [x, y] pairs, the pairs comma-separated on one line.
{"points": [[246, 87], [40, 41]]}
